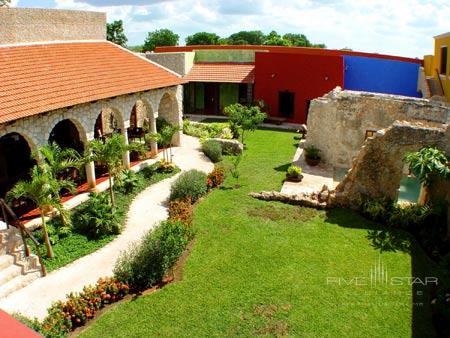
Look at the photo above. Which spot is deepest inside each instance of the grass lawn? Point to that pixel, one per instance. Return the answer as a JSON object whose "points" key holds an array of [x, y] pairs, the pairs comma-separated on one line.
{"points": [[263, 268], [74, 246]]}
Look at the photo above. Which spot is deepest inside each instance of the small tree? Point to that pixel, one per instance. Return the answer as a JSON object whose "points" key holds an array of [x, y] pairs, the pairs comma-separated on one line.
{"points": [[428, 165], [160, 37], [234, 170], [58, 159], [110, 154], [202, 38], [164, 138], [43, 189], [115, 33], [244, 118]]}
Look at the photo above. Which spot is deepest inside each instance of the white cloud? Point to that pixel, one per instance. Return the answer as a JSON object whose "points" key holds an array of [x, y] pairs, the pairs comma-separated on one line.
{"points": [[401, 27]]}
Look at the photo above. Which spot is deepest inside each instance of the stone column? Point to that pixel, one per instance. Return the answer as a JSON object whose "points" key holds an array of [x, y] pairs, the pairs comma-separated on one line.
{"points": [[126, 155], [90, 175], [153, 130]]}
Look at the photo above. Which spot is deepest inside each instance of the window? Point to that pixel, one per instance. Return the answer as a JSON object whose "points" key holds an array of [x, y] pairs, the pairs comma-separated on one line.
{"points": [[286, 103], [444, 55], [242, 93]]}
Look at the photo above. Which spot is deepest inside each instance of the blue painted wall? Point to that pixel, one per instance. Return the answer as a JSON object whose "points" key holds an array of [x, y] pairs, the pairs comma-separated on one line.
{"points": [[381, 75]]}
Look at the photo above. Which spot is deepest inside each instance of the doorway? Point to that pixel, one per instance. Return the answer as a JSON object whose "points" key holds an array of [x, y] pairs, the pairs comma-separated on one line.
{"points": [[211, 98], [286, 101]]}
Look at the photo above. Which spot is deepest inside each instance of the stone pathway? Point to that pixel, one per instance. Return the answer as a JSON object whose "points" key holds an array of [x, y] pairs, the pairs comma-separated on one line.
{"points": [[314, 178], [145, 212]]}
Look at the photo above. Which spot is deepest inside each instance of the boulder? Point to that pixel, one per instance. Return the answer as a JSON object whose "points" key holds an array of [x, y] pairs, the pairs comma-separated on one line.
{"points": [[232, 147]]}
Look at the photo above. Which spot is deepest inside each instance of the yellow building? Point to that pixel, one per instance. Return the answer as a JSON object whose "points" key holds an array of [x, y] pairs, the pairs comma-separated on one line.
{"points": [[437, 67]]}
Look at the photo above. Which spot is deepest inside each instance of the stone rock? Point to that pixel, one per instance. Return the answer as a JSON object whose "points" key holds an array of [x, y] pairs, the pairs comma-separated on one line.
{"points": [[378, 168], [232, 147], [303, 199], [338, 121]]}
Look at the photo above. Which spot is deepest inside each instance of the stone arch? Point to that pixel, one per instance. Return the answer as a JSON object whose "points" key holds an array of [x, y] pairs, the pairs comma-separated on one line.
{"points": [[108, 121], [15, 159], [72, 129], [168, 109]]}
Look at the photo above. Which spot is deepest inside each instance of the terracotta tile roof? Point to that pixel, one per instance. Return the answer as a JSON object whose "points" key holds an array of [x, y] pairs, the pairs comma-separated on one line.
{"points": [[222, 72], [38, 78]]}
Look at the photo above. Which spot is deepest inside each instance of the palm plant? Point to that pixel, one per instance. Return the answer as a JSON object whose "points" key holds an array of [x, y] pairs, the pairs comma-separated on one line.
{"points": [[110, 153], [164, 138], [43, 189], [58, 159], [428, 165]]}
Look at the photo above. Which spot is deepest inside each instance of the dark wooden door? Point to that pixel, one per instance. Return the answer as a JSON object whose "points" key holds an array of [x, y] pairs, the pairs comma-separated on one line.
{"points": [[211, 98]]}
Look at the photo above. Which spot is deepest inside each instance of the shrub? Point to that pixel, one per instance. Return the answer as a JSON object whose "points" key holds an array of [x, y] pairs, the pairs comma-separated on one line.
{"points": [[145, 265], [127, 181], [165, 167], [216, 177], [33, 324], [212, 149], [97, 218], [189, 184], [408, 217], [203, 130], [377, 209], [56, 231], [181, 210], [64, 316], [294, 171], [312, 152]]}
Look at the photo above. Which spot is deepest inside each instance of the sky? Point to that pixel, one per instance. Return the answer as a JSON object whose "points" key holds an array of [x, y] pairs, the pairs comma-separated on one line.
{"points": [[397, 27]]}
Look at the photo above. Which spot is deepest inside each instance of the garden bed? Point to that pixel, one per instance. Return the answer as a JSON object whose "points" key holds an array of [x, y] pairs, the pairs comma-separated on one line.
{"points": [[73, 246]]}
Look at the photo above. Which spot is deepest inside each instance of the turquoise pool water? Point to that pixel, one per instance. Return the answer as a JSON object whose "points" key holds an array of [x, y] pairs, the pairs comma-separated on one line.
{"points": [[409, 189]]}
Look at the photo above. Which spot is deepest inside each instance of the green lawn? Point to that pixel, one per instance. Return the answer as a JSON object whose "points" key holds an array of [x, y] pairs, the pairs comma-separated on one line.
{"points": [[260, 268], [74, 246]]}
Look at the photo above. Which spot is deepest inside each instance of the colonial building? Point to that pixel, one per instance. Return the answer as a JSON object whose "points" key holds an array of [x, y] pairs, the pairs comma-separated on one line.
{"points": [[287, 79], [74, 88]]}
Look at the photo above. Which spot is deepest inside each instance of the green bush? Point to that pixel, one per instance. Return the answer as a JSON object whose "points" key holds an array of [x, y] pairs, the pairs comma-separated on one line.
{"points": [[33, 324], [146, 264], [203, 130], [56, 230], [212, 149], [377, 209], [189, 184], [408, 217], [127, 181], [312, 152], [96, 218], [294, 171]]}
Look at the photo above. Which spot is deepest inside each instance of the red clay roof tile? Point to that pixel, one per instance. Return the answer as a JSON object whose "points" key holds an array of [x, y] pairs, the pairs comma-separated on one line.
{"points": [[222, 72], [38, 78]]}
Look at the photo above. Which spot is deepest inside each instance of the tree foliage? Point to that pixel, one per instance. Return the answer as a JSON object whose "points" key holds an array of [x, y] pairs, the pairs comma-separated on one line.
{"points": [[245, 118], [160, 37], [110, 153], [115, 33], [42, 189], [202, 38], [246, 38]]}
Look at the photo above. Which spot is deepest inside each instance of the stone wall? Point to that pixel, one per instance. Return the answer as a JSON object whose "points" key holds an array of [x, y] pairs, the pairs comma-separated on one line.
{"points": [[36, 129], [21, 25], [378, 168], [180, 63], [338, 121]]}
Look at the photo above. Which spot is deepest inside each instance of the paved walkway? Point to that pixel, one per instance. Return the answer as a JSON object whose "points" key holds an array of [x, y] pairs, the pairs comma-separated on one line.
{"points": [[145, 212], [314, 178]]}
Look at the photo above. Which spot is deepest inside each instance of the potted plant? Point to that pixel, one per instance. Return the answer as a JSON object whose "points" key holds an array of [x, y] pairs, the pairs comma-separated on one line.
{"points": [[312, 155], [294, 173]]}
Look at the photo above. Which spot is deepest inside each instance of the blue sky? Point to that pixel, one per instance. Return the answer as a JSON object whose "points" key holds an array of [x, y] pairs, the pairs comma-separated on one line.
{"points": [[399, 27]]}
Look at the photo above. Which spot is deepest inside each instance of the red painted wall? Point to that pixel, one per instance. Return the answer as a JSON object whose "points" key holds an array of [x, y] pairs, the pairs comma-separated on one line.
{"points": [[308, 76]]}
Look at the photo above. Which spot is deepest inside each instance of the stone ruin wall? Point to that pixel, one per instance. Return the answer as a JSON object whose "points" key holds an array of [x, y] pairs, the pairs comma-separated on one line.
{"points": [[337, 122], [378, 168]]}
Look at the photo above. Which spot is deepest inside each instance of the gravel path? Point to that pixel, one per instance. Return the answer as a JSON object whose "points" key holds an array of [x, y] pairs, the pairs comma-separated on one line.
{"points": [[145, 212]]}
